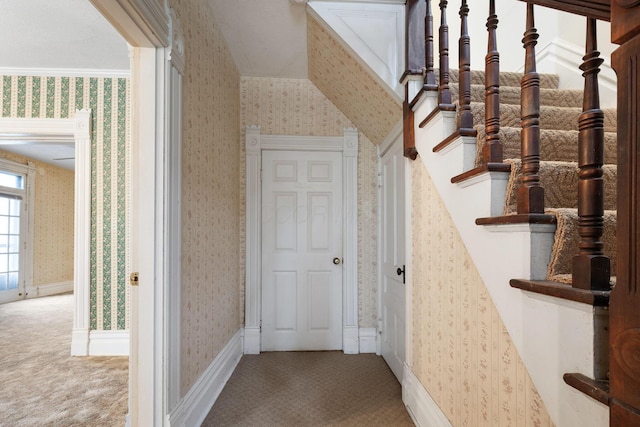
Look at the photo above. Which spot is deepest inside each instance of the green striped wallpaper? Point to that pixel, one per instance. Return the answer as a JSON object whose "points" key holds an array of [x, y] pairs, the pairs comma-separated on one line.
{"points": [[108, 99]]}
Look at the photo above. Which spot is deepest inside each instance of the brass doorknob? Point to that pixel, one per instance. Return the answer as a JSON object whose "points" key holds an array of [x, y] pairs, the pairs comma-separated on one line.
{"points": [[337, 261]]}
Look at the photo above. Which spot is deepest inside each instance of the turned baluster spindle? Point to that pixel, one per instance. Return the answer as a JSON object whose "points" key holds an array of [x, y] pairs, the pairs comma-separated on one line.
{"points": [[591, 268], [444, 94], [430, 75], [464, 65], [530, 193], [492, 151]]}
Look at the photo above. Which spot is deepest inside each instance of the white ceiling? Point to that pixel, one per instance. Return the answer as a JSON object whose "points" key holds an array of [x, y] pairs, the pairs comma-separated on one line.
{"points": [[70, 37], [57, 37]]}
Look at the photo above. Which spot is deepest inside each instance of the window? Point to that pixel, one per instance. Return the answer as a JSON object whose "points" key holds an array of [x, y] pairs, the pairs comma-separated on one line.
{"points": [[15, 228]]}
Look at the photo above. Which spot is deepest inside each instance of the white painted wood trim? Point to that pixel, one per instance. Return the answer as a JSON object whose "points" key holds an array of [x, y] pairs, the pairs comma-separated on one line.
{"points": [[388, 141], [143, 23], [424, 411], [348, 145], [175, 62], [198, 401], [64, 72], [49, 289], [368, 340], [77, 130], [108, 343], [408, 268]]}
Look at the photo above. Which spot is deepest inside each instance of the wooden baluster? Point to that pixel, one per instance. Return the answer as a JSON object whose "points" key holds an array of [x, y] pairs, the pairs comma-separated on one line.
{"points": [[492, 152], [464, 64], [430, 75], [591, 268], [530, 193], [444, 94]]}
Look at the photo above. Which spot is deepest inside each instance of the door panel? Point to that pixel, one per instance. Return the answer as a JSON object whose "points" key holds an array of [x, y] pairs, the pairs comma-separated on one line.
{"points": [[393, 258], [301, 235]]}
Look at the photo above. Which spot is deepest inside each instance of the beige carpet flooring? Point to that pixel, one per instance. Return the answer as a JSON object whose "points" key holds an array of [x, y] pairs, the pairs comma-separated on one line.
{"points": [[40, 384], [310, 389]]}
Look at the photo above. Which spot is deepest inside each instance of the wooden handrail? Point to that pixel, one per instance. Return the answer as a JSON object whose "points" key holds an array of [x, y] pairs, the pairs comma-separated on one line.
{"points": [[530, 193], [492, 152]]}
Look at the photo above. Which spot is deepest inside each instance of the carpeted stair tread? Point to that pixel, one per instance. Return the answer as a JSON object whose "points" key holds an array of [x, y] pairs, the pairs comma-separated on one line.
{"points": [[558, 145], [561, 118], [511, 95], [560, 183], [547, 81], [566, 240]]}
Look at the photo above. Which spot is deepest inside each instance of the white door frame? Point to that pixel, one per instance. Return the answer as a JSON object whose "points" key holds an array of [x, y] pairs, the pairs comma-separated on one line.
{"points": [[255, 142], [75, 130], [157, 66]]}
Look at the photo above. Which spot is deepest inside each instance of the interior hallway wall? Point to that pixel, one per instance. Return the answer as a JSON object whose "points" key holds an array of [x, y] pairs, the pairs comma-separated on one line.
{"points": [[108, 99], [297, 107], [210, 187], [462, 353]]}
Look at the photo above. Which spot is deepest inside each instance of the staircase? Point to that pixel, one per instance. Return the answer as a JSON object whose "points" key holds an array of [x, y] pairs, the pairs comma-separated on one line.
{"points": [[559, 116], [514, 235]]}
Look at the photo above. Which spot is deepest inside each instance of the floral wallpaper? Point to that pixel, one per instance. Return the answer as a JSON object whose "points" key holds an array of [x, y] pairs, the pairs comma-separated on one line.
{"points": [[53, 221], [210, 192], [462, 352], [297, 107], [108, 99], [349, 86]]}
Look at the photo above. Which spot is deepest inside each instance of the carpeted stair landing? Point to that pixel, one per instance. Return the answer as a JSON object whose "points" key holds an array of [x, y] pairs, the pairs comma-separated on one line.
{"points": [[560, 110]]}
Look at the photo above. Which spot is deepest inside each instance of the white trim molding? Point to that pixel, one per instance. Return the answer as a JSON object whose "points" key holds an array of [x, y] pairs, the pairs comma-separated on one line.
{"points": [[193, 408], [109, 343], [368, 339], [78, 131], [144, 23], [422, 408], [347, 144], [48, 289], [64, 72], [175, 62]]}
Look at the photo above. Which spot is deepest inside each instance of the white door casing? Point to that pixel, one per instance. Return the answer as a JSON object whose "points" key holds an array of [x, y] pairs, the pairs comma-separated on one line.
{"points": [[392, 258], [348, 146], [301, 251], [76, 130], [156, 116]]}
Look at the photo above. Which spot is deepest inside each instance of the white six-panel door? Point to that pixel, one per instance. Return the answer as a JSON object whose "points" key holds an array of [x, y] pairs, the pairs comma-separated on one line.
{"points": [[301, 250], [392, 257]]}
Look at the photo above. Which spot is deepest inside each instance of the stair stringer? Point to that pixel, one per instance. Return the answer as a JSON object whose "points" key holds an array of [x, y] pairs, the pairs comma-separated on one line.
{"points": [[552, 336]]}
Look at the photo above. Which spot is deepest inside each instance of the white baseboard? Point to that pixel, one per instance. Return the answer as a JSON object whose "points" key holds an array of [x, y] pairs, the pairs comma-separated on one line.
{"points": [[109, 343], [368, 340], [423, 409], [51, 289], [350, 341], [80, 342], [252, 340], [193, 408]]}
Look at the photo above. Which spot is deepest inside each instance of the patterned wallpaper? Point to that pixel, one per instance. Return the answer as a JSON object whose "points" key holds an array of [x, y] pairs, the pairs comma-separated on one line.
{"points": [[297, 107], [53, 221], [462, 353], [210, 192], [108, 99], [349, 86]]}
